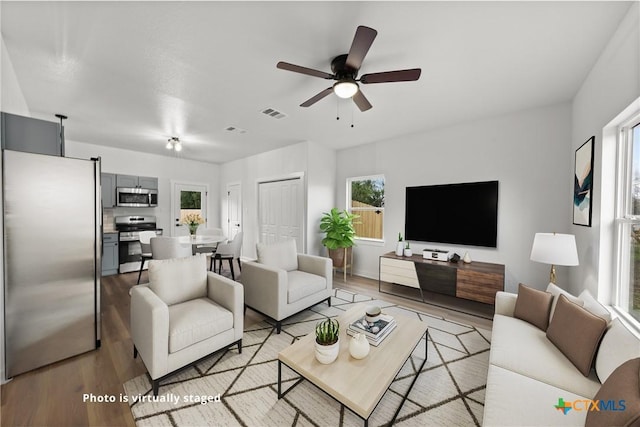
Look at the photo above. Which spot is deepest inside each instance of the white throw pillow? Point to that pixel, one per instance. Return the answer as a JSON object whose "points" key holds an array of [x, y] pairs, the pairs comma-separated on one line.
{"points": [[617, 346], [283, 254], [592, 304], [556, 291]]}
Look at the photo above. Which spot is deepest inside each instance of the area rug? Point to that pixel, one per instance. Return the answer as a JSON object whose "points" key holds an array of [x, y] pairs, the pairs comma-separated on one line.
{"points": [[241, 389]]}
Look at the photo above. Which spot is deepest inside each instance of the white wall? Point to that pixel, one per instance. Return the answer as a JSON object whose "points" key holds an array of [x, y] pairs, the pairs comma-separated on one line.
{"points": [[314, 162], [321, 182], [527, 152], [166, 169], [12, 98], [611, 86]]}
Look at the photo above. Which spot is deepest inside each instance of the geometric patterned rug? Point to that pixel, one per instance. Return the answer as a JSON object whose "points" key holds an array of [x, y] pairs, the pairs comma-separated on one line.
{"points": [[448, 392]]}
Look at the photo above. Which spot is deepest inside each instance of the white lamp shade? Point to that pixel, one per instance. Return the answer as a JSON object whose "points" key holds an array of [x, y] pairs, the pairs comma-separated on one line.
{"points": [[554, 248], [345, 89]]}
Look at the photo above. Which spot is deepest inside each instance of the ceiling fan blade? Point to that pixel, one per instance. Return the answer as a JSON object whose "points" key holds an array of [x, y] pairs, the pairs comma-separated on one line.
{"points": [[360, 46], [303, 70], [309, 102], [361, 101], [392, 76]]}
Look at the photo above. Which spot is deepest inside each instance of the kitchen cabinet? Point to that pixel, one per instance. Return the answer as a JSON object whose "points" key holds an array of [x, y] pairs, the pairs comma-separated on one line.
{"points": [[132, 181], [31, 135], [108, 184], [109, 254]]}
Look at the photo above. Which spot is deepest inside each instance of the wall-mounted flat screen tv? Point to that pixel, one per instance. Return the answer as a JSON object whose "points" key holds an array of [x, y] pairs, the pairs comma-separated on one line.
{"points": [[463, 214]]}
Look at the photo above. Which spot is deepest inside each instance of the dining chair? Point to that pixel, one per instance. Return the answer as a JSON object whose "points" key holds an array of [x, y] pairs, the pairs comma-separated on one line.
{"points": [[145, 245], [228, 251], [169, 247]]}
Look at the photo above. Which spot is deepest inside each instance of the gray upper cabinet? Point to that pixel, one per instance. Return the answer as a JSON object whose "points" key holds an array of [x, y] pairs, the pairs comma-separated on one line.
{"points": [[31, 135], [148, 182], [132, 181], [108, 184], [127, 181]]}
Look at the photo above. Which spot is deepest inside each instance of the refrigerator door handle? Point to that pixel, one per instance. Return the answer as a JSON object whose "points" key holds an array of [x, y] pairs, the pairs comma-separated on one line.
{"points": [[99, 243]]}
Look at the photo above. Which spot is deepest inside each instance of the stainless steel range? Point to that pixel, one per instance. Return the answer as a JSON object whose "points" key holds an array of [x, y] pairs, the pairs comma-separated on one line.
{"points": [[129, 228]]}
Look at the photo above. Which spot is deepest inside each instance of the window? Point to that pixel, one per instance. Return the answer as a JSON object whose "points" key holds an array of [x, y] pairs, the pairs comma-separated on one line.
{"points": [[190, 203], [627, 223], [365, 197]]}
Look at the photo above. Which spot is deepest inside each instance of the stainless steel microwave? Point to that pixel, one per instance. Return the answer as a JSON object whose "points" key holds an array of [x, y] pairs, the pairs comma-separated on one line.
{"points": [[136, 197]]}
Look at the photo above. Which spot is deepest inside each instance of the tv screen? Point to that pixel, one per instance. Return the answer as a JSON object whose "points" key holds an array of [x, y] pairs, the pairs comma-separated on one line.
{"points": [[464, 214]]}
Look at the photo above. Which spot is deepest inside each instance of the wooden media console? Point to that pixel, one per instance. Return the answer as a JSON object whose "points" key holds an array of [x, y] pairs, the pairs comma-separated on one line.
{"points": [[476, 281]]}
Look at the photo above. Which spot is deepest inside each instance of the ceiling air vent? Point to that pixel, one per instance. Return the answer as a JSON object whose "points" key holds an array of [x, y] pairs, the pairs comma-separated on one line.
{"points": [[272, 112], [234, 129]]}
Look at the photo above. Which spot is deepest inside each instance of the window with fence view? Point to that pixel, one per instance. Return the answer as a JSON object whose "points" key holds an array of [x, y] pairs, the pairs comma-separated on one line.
{"points": [[366, 199], [190, 203]]}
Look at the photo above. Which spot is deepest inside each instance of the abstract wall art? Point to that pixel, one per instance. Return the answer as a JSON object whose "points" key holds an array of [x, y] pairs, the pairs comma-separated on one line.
{"points": [[583, 184]]}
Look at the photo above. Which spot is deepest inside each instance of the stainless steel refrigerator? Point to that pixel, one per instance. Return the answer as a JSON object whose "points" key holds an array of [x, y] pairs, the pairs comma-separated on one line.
{"points": [[52, 248]]}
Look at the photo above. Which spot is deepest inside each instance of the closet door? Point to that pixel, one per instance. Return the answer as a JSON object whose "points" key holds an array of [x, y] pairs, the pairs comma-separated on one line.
{"points": [[281, 211]]}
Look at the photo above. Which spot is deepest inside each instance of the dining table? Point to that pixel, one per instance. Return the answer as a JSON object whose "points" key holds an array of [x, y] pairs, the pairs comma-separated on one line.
{"points": [[201, 240]]}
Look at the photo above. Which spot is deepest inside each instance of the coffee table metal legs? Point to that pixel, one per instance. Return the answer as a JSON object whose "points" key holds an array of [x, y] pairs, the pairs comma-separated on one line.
{"points": [[366, 420], [280, 394]]}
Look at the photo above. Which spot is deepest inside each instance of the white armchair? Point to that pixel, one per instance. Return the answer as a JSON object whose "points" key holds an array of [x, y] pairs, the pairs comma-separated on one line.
{"points": [[185, 314], [283, 282]]}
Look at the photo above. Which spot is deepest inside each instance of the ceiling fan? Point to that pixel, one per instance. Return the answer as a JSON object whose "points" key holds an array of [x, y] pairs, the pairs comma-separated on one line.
{"points": [[345, 70]]}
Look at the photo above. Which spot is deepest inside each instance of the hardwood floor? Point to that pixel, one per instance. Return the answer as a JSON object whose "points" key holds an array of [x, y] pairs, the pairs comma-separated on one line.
{"points": [[53, 395]]}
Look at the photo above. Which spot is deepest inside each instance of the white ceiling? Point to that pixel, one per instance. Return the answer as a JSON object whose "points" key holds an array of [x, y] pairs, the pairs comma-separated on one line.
{"points": [[130, 75]]}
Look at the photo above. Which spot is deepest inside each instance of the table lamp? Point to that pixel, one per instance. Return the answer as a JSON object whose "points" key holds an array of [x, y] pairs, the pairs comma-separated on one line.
{"points": [[554, 249]]}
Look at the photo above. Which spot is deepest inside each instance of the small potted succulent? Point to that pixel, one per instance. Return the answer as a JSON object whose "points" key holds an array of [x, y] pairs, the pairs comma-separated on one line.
{"points": [[400, 246], [327, 341], [407, 250]]}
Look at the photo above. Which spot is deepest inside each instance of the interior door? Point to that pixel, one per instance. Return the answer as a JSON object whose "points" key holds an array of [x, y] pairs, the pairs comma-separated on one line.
{"points": [[234, 210], [281, 211], [187, 199]]}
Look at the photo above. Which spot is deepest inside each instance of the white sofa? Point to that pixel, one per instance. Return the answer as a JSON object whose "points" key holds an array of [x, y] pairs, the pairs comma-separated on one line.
{"points": [[528, 374]]}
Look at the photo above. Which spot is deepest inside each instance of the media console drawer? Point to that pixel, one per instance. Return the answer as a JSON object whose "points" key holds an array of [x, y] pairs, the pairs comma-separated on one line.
{"points": [[399, 271], [477, 281], [478, 286]]}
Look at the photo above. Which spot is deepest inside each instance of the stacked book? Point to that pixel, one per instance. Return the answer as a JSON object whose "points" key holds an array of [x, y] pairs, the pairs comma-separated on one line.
{"points": [[376, 331]]}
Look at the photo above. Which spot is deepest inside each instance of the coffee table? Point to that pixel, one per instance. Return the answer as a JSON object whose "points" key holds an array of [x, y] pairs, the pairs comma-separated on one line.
{"points": [[357, 384]]}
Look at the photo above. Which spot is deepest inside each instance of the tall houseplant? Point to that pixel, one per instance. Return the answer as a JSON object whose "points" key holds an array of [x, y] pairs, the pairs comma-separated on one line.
{"points": [[340, 234]]}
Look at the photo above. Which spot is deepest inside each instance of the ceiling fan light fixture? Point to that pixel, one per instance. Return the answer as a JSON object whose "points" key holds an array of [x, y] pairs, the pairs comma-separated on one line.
{"points": [[345, 88], [178, 146], [169, 145]]}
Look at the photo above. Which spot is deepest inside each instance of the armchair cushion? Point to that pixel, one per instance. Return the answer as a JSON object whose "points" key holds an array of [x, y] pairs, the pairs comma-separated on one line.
{"points": [[193, 321], [283, 254], [180, 279], [301, 284]]}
